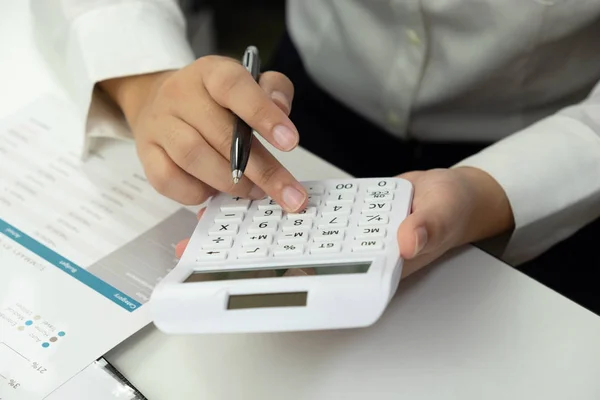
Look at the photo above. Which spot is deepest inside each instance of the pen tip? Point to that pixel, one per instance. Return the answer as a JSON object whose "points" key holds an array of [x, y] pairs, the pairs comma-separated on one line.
{"points": [[237, 174]]}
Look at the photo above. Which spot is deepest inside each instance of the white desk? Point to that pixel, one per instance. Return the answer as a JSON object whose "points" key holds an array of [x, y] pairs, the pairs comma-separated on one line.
{"points": [[469, 328]]}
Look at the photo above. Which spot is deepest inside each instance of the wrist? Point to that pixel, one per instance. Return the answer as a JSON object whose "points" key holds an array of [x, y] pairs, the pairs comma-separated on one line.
{"points": [[491, 213], [130, 93]]}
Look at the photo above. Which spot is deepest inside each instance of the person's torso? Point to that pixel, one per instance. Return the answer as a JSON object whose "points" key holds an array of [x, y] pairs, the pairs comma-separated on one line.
{"points": [[450, 69]]}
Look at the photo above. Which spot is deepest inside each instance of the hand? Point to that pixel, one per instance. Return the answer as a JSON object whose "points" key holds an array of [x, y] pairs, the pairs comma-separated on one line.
{"points": [[451, 207], [182, 122]]}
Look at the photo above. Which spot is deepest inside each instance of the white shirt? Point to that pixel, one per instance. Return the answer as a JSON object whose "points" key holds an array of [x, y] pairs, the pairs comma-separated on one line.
{"points": [[523, 70]]}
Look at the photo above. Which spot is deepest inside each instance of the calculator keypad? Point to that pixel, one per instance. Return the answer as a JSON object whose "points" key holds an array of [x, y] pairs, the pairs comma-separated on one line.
{"points": [[340, 216]]}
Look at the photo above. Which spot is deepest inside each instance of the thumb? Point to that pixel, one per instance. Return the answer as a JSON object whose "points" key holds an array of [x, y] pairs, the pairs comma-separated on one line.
{"points": [[421, 232]]}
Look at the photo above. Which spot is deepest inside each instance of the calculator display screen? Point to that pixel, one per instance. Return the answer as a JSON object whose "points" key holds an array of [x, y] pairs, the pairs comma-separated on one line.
{"points": [[277, 272]]}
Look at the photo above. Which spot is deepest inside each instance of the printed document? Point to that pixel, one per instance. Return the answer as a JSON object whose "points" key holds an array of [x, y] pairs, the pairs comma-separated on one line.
{"points": [[82, 245]]}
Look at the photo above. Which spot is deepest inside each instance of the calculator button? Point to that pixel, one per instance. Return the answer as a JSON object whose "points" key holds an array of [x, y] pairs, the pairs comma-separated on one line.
{"points": [[373, 219], [339, 198], [315, 189], [293, 237], [235, 216], [297, 223], [377, 206], [381, 185], [268, 204], [211, 255], [367, 245], [263, 227], [217, 242], [235, 204], [349, 187], [379, 196], [288, 249], [308, 212], [327, 235], [336, 209], [253, 252], [223, 229], [314, 200], [268, 215], [333, 222], [257, 239], [326, 247], [370, 232]]}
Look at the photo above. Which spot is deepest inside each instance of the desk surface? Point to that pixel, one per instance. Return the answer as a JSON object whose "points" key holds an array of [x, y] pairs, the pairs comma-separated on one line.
{"points": [[467, 328]]}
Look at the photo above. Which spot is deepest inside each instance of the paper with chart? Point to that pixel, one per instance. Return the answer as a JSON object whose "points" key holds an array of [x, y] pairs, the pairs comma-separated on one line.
{"points": [[81, 248]]}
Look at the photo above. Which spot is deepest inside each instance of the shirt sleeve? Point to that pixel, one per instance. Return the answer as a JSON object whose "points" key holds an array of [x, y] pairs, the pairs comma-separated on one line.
{"points": [[87, 41], [550, 173]]}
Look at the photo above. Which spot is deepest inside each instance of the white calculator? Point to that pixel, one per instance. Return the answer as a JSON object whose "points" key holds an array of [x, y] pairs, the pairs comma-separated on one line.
{"points": [[251, 267]]}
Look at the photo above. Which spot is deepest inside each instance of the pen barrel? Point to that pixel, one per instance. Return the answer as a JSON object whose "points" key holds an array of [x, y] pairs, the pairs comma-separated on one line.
{"points": [[240, 148]]}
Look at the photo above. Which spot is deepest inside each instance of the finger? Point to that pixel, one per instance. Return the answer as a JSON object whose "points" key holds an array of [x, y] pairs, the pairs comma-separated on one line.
{"points": [[424, 231], [180, 247], [232, 87], [200, 213], [279, 88], [170, 180], [190, 151], [263, 168]]}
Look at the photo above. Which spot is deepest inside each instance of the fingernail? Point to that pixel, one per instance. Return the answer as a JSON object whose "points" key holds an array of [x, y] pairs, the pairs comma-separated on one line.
{"points": [[256, 193], [292, 197], [421, 234], [282, 99], [284, 137]]}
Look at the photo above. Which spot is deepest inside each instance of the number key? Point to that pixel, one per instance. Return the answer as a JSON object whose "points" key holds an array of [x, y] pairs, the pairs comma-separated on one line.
{"points": [[333, 222], [340, 197], [263, 227], [269, 214], [307, 212], [336, 209], [381, 185], [349, 187], [297, 223], [268, 204]]}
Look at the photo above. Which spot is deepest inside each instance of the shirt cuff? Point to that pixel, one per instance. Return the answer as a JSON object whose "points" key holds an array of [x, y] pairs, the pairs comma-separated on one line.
{"points": [[549, 173], [131, 38], [109, 41]]}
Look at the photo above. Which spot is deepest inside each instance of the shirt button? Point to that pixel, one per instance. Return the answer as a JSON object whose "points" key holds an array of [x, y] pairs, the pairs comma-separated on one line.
{"points": [[413, 37], [393, 119]]}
